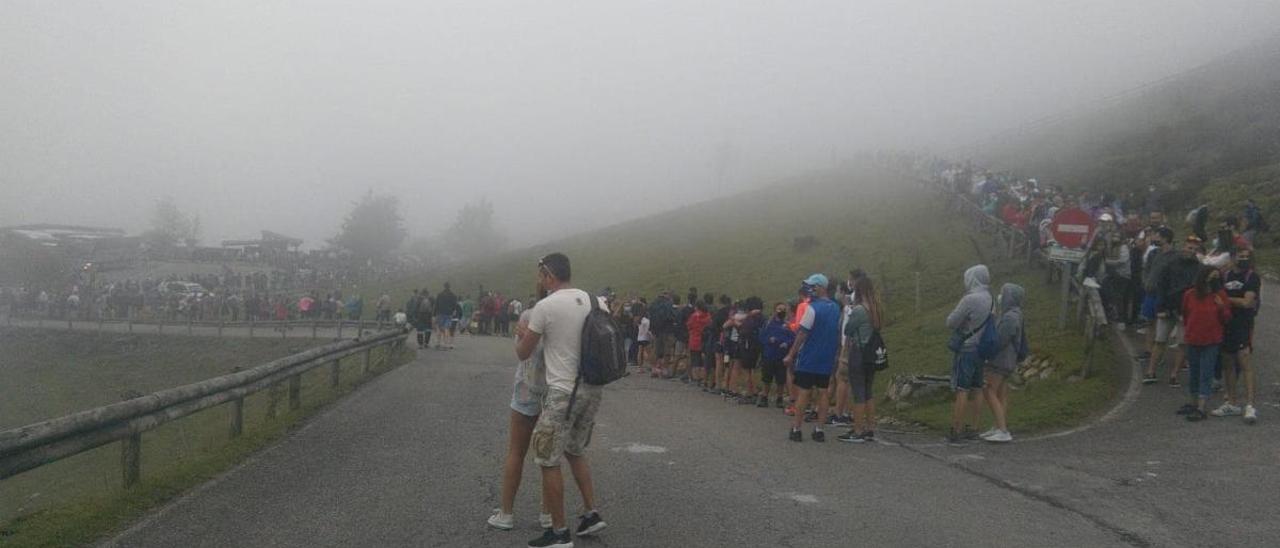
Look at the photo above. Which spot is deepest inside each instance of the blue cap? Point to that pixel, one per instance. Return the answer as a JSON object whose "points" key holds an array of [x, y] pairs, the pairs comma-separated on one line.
{"points": [[816, 280]]}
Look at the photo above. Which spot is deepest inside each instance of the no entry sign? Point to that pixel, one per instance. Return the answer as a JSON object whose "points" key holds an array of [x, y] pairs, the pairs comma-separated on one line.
{"points": [[1071, 227]]}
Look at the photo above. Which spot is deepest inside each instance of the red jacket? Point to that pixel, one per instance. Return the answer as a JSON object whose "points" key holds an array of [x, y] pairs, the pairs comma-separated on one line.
{"points": [[696, 323], [1203, 319]]}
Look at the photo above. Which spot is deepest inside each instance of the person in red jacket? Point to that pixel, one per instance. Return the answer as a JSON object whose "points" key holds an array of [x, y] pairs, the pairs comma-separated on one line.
{"points": [[697, 322], [1206, 309]]}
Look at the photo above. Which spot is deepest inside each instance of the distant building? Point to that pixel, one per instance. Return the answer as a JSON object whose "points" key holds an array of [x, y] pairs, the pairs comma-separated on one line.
{"points": [[105, 247]]}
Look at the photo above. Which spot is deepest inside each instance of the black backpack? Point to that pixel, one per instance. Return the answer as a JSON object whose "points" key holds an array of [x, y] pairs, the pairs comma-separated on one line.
{"points": [[874, 354], [603, 357]]}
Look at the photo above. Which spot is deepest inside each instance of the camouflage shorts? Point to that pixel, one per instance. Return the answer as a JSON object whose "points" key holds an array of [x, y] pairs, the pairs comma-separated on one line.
{"points": [[556, 434]]}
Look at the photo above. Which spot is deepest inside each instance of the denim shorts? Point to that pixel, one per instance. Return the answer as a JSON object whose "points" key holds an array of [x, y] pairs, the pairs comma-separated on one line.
{"points": [[966, 371], [526, 399]]}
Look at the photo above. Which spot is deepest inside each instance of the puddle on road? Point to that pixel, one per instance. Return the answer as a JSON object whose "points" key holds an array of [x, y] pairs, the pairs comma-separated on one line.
{"points": [[637, 448]]}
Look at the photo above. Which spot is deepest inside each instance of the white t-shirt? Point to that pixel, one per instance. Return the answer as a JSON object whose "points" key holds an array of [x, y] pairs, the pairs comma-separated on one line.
{"points": [[559, 319], [644, 335]]}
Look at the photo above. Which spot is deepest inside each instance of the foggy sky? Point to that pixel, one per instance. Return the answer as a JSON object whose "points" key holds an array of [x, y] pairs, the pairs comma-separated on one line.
{"points": [[567, 115]]}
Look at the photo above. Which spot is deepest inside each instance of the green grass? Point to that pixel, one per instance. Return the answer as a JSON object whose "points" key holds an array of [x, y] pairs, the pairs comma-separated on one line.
{"points": [[742, 245], [78, 500]]}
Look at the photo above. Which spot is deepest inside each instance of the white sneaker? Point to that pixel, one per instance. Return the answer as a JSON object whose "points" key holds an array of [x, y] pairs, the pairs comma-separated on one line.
{"points": [[999, 437], [544, 521], [499, 520], [1250, 414], [988, 433], [1092, 283], [1226, 410]]}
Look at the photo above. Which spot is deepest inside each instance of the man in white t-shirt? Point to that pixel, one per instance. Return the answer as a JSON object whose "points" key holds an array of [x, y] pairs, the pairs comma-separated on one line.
{"points": [[568, 416]]}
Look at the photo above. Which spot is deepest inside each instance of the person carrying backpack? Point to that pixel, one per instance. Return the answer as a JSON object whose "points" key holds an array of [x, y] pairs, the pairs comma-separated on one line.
{"points": [[423, 317], [968, 322], [562, 322], [662, 321], [1011, 332], [864, 324]]}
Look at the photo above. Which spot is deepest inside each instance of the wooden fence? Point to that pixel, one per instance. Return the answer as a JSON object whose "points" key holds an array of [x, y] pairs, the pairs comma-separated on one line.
{"points": [[35, 445]]}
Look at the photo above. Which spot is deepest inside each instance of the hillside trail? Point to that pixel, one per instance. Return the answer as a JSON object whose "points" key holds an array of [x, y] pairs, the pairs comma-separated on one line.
{"points": [[413, 459]]}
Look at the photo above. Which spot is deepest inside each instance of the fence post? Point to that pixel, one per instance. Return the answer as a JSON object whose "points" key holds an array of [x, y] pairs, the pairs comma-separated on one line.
{"points": [[1066, 295], [368, 359], [99, 325], [250, 327], [69, 321], [220, 324], [340, 323], [917, 292], [335, 370], [295, 391], [160, 326], [131, 325], [190, 325], [315, 327], [131, 458]]}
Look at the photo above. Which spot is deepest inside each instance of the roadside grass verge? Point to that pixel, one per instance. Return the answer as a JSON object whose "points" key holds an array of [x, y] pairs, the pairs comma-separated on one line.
{"points": [[80, 499]]}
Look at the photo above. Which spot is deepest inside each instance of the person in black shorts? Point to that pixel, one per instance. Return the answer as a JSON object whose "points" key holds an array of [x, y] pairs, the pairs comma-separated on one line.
{"points": [[1244, 288], [775, 341], [747, 353]]}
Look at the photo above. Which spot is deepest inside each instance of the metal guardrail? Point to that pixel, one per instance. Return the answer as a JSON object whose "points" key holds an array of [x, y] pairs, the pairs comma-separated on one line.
{"points": [[35, 445]]}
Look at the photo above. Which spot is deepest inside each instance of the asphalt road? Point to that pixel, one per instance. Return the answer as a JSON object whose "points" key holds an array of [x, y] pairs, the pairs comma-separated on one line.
{"points": [[413, 459]]}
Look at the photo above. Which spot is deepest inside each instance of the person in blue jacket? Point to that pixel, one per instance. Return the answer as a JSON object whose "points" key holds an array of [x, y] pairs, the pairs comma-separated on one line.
{"points": [[775, 339]]}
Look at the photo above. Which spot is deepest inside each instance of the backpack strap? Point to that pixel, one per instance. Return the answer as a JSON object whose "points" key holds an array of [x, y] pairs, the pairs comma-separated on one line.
{"points": [[573, 396]]}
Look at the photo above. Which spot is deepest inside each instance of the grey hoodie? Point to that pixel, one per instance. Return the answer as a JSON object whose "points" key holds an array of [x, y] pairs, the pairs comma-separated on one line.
{"points": [[974, 307], [1009, 330]]}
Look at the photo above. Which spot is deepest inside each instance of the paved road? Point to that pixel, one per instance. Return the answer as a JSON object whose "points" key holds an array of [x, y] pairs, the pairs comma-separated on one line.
{"points": [[413, 459]]}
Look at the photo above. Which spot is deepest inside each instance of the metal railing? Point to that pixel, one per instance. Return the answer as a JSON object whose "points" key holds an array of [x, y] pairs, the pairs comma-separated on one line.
{"points": [[35, 445]]}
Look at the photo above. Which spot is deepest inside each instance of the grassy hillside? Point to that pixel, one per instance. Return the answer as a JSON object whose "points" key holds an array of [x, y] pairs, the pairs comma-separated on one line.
{"points": [[743, 245]]}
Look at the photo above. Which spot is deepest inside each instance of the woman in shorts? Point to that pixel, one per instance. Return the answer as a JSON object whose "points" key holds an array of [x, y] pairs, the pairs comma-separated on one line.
{"points": [[865, 317], [526, 404]]}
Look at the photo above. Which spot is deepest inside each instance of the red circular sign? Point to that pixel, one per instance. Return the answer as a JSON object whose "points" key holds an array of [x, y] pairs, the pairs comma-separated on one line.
{"points": [[1071, 227]]}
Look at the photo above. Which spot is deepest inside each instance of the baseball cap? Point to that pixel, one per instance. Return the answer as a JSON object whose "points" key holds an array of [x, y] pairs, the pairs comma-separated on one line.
{"points": [[816, 280]]}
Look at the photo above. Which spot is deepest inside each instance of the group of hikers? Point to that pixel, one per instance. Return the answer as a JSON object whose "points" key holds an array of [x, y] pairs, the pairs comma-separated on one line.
{"points": [[449, 315], [818, 350], [1194, 298]]}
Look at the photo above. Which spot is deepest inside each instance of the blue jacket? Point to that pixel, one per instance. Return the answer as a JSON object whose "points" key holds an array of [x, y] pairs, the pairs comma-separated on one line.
{"points": [[776, 339]]}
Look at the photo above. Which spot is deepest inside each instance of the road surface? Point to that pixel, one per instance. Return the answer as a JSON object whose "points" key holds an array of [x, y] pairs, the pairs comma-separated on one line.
{"points": [[413, 459]]}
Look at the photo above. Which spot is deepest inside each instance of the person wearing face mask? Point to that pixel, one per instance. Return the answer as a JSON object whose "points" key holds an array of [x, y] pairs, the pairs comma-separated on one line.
{"points": [[776, 340], [1205, 312], [1174, 279], [1244, 288], [1223, 249]]}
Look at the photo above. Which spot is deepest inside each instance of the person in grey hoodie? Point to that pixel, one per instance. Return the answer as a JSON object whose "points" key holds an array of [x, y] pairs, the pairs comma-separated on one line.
{"points": [[1011, 334], [966, 369]]}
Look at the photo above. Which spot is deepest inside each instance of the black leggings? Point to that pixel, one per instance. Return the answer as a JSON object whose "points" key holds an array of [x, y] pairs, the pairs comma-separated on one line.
{"points": [[861, 377]]}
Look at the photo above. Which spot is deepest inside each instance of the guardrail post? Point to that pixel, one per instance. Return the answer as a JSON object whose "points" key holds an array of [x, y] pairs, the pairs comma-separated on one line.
{"points": [[340, 323], [220, 324], [69, 321], [273, 399], [295, 391], [99, 325], [131, 458], [368, 359], [335, 369], [131, 325], [190, 326], [315, 327], [237, 417], [1066, 295], [160, 326], [250, 327]]}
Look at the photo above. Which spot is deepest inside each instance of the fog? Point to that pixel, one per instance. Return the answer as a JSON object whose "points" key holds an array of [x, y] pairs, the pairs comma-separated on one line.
{"points": [[566, 115]]}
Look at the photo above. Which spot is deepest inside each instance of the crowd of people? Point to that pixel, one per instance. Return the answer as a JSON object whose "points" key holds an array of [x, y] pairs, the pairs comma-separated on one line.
{"points": [[1194, 295], [228, 296]]}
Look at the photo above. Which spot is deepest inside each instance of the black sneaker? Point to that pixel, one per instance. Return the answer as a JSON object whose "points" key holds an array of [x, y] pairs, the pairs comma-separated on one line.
{"points": [[796, 435], [763, 402], [1149, 379], [1196, 415], [818, 436], [851, 437], [869, 436], [1186, 409], [970, 434], [781, 404], [552, 539], [591, 524], [1173, 382], [954, 438]]}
